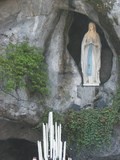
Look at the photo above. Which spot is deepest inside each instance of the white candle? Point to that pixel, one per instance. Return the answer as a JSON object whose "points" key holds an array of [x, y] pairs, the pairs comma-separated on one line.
{"points": [[51, 134], [60, 152], [44, 142], [58, 142], [60, 132], [64, 151], [52, 144], [56, 139], [46, 130], [54, 150], [49, 121], [53, 138], [39, 151]]}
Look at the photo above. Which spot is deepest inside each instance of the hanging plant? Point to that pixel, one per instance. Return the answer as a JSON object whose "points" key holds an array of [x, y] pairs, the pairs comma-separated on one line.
{"points": [[23, 66]]}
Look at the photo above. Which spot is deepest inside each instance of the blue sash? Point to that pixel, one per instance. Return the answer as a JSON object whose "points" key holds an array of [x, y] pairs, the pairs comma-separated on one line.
{"points": [[89, 60]]}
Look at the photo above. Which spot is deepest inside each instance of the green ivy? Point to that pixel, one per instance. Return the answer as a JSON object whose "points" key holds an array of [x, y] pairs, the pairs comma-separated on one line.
{"points": [[87, 128], [91, 127], [23, 66]]}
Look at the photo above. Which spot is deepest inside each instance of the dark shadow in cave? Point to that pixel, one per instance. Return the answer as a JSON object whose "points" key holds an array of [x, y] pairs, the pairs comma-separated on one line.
{"points": [[77, 30], [17, 149]]}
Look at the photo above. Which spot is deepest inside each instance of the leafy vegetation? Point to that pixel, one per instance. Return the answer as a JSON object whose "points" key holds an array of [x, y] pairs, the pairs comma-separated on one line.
{"points": [[92, 127], [88, 127], [23, 66]]}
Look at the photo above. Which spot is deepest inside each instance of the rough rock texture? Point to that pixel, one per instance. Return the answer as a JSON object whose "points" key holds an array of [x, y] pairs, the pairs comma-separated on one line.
{"points": [[17, 149], [46, 24], [18, 130], [115, 15], [64, 90]]}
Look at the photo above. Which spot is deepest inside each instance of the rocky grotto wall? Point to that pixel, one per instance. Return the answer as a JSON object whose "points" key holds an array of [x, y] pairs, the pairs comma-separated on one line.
{"points": [[13, 149], [58, 28], [67, 89]]}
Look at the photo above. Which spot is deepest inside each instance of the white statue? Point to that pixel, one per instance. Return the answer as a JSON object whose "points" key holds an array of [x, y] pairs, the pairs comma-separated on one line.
{"points": [[91, 57]]}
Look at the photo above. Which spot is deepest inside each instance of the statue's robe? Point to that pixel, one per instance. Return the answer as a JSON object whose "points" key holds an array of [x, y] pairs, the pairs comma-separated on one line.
{"points": [[91, 60]]}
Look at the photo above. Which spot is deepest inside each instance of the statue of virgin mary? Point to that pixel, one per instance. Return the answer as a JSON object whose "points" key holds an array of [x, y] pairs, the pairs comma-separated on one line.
{"points": [[91, 57]]}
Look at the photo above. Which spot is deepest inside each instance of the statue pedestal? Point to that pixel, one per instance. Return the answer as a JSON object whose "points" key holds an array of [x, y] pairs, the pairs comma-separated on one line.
{"points": [[91, 84]]}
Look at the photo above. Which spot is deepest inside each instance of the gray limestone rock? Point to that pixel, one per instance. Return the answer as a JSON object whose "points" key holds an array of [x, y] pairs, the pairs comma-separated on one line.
{"points": [[46, 24]]}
